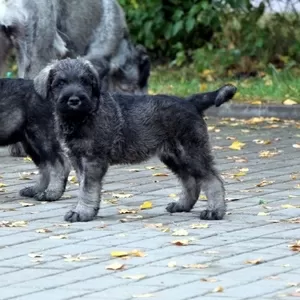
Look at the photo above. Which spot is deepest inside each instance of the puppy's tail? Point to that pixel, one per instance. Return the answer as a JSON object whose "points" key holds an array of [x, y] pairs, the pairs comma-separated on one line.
{"points": [[205, 100]]}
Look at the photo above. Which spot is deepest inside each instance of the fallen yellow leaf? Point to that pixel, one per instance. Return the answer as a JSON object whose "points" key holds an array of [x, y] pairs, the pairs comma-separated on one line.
{"points": [[35, 255], [196, 266], [172, 264], [146, 205], [160, 174], [290, 206], [44, 230], [152, 168], [122, 195], [13, 224], [27, 159], [73, 179], [255, 261], [59, 237], [138, 253], [115, 267], [208, 279], [77, 258], [135, 277], [199, 226], [26, 204], [236, 145], [180, 232], [297, 146], [127, 211], [264, 183], [218, 289], [119, 253], [289, 102], [181, 242], [268, 154], [263, 213], [173, 195], [24, 176], [295, 246]]}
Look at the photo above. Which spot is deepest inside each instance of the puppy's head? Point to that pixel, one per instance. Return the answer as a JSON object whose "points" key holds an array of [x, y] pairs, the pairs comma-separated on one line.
{"points": [[72, 84]]}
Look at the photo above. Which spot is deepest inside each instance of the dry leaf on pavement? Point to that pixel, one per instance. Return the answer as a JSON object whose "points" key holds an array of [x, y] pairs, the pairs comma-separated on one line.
{"points": [[218, 289], [180, 232], [135, 277], [26, 204], [59, 237], [199, 226], [146, 205], [196, 266], [295, 246], [115, 267], [255, 261], [180, 242], [43, 230], [236, 145]]}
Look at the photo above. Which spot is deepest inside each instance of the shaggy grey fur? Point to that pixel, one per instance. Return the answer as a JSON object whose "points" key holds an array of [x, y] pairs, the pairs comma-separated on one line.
{"points": [[43, 30], [103, 129], [25, 117]]}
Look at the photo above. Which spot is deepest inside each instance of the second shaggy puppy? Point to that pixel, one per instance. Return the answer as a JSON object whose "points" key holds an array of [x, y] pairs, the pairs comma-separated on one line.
{"points": [[102, 129]]}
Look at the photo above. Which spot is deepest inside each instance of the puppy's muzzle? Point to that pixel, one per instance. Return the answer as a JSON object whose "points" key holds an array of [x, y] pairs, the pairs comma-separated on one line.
{"points": [[74, 102]]}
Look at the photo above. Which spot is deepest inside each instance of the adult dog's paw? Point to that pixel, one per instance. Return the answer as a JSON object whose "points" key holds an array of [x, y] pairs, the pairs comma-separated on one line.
{"points": [[82, 214], [29, 192], [176, 207], [216, 214]]}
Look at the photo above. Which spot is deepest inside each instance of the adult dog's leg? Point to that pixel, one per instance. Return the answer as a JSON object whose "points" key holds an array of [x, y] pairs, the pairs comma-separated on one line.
{"points": [[89, 191]]}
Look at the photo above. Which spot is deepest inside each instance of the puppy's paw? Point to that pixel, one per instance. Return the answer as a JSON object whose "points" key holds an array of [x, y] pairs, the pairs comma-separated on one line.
{"points": [[176, 207], [216, 214], [48, 196], [84, 214], [29, 192]]}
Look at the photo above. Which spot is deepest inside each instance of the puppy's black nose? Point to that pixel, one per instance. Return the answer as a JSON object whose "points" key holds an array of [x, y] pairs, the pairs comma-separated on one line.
{"points": [[74, 101]]}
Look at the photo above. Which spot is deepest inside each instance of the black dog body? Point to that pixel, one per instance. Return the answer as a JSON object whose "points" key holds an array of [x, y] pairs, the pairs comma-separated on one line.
{"points": [[27, 118], [102, 129]]}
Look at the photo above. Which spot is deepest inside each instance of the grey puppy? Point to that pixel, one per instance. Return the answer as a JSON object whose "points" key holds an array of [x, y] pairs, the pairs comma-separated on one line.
{"points": [[43, 30], [26, 118], [103, 129]]}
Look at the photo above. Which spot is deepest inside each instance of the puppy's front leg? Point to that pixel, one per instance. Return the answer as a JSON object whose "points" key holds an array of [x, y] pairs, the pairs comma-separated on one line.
{"points": [[90, 187]]}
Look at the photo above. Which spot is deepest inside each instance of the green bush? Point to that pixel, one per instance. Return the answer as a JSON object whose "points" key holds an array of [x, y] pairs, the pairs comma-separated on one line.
{"points": [[222, 34]]}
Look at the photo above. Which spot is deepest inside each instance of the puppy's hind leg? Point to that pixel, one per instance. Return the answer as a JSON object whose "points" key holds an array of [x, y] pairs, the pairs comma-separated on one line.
{"points": [[191, 186], [214, 190]]}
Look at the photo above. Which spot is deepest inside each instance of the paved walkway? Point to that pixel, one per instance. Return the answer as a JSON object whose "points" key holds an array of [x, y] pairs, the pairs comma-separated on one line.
{"points": [[245, 256]]}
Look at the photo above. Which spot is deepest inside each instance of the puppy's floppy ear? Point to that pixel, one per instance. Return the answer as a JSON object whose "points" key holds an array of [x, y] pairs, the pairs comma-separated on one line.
{"points": [[94, 77], [42, 81]]}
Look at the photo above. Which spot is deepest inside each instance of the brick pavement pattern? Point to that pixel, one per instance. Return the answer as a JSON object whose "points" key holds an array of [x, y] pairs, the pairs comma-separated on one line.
{"points": [[244, 256]]}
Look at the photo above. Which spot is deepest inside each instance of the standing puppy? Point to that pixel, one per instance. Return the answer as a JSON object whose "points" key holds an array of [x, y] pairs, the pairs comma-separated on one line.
{"points": [[103, 129]]}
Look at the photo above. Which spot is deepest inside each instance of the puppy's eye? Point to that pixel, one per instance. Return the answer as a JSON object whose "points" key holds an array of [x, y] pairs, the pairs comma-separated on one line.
{"points": [[85, 80], [59, 83]]}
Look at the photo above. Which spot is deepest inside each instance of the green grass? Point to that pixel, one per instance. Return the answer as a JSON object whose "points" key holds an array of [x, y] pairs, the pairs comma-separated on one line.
{"points": [[275, 86]]}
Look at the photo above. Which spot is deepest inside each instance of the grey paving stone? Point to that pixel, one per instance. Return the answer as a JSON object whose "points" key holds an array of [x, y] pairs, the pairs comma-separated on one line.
{"points": [[224, 246]]}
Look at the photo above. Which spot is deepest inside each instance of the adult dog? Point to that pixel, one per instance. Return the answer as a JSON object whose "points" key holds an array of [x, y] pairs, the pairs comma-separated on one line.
{"points": [[103, 129], [27, 118], [43, 30]]}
